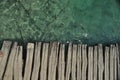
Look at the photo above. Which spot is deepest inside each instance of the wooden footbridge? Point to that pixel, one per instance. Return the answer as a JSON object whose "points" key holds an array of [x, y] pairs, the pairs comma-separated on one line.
{"points": [[57, 61]]}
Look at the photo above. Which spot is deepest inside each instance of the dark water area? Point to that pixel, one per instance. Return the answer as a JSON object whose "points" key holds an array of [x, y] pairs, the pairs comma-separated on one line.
{"points": [[78, 21]]}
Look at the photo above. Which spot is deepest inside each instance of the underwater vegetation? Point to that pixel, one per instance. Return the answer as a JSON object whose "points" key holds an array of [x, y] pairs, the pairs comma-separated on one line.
{"points": [[79, 21]]}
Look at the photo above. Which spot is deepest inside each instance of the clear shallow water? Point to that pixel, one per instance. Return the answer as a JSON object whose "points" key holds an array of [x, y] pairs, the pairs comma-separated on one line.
{"points": [[86, 21]]}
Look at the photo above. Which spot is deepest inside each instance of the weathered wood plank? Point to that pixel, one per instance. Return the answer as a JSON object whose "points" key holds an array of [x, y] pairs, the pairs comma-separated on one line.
{"points": [[1, 56], [84, 62], [115, 63], [112, 62], [118, 67], [90, 63], [44, 63], [61, 65], [118, 70], [73, 73], [100, 62], [107, 62], [9, 70], [79, 63], [20, 63], [5, 49], [16, 76], [68, 64], [95, 63], [53, 61], [100, 65], [28, 65], [36, 65]]}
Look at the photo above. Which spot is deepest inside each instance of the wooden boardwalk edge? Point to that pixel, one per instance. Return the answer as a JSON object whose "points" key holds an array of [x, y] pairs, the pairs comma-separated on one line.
{"points": [[49, 61]]}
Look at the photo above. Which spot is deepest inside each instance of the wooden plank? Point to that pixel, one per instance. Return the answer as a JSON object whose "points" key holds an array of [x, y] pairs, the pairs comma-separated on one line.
{"points": [[56, 61], [100, 62], [44, 63], [76, 64], [115, 63], [28, 65], [90, 63], [84, 62], [118, 62], [111, 62], [68, 64], [1, 56], [5, 49], [9, 70], [118, 66], [16, 76], [61, 65], [20, 63], [118, 70], [53, 61], [95, 62], [79, 63], [36, 65], [73, 73], [107, 63]]}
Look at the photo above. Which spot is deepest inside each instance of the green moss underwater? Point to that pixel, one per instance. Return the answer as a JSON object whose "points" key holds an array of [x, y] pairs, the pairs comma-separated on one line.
{"points": [[79, 21]]}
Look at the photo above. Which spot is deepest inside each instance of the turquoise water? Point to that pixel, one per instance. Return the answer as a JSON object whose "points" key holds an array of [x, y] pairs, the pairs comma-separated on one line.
{"points": [[79, 21]]}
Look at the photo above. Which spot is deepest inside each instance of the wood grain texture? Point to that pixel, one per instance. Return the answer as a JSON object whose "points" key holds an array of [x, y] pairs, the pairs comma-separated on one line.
{"points": [[5, 49], [84, 62], [28, 65], [10, 64], [107, 63], [100, 62], [112, 62], [44, 62], [68, 63], [36, 65], [73, 67], [18, 64], [79, 62], [95, 76], [52, 61], [90, 63], [61, 64]]}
